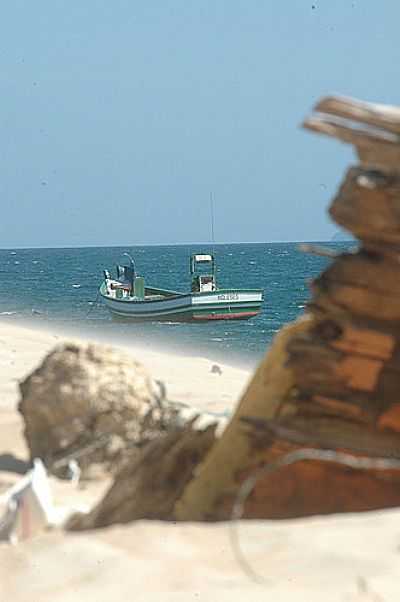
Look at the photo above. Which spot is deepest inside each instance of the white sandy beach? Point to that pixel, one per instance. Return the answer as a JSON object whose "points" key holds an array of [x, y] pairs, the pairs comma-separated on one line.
{"points": [[339, 558], [187, 378]]}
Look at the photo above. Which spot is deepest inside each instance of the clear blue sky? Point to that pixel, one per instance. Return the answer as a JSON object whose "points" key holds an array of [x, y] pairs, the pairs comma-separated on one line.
{"points": [[119, 117]]}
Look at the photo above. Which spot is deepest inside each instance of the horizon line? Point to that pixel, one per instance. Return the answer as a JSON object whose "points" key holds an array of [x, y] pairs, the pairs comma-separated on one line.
{"points": [[179, 244]]}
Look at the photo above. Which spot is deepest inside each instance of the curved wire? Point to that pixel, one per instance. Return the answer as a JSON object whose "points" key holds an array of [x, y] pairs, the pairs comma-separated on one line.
{"points": [[248, 485]]}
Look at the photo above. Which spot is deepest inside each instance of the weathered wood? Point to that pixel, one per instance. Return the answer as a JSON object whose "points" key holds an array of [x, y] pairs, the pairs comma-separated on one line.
{"points": [[368, 205], [313, 487], [352, 361], [384, 157], [354, 377], [378, 115], [332, 381], [391, 418], [365, 342], [322, 432], [149, 486], [270, 385], [360, 366], [345, 131], [350, 408], [347, 339], [314, 367], [361, 271], [357, 300], [375, 148], [360, 373]]}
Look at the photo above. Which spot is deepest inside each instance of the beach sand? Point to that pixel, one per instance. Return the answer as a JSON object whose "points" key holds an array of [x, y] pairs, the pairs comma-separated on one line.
{"points": [[349, 558]]}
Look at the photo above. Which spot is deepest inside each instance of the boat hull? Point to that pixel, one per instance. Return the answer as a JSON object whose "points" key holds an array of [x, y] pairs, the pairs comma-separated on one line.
{"points": [[193, 307]]}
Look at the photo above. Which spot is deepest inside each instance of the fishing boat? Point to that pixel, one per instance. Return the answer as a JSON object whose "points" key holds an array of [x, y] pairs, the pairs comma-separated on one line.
{"points": [[128, 297]]}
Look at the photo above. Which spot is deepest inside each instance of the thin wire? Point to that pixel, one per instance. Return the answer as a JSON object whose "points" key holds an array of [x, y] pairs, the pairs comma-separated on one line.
{"points": [[85, 317], [212, 220], [318, 250], [248, 485], [93, 305], [213, 237], [100, 441]]}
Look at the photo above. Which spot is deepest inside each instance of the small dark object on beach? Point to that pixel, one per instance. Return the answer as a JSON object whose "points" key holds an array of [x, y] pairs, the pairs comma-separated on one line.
{"points": [[215, 369]]}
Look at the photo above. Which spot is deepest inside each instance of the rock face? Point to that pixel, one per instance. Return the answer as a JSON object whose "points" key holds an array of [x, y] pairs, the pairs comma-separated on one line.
{"points": [[93, 403]]}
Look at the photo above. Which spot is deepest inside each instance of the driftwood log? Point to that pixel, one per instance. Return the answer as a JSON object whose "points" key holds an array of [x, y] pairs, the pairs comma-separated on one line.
{"points": [[149, 485], [331, 381]]}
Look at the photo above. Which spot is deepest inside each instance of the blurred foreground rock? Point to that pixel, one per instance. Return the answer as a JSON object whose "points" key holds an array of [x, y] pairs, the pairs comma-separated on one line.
{"points": [[93, 403]]}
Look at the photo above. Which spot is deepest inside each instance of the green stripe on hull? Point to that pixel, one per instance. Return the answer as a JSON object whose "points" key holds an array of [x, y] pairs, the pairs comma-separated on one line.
{"points": [[191, 313]]}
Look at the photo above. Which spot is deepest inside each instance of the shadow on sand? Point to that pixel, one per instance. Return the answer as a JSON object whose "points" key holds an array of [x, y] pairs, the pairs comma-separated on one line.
{"points": [[10, 463]]}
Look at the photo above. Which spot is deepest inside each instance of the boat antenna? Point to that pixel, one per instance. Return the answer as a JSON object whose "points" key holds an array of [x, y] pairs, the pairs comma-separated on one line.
{"points": [[212, 234], [212, 219]]}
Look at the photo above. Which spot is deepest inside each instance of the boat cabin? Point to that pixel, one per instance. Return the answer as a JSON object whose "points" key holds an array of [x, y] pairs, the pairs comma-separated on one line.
{"points": [[202, 270]]}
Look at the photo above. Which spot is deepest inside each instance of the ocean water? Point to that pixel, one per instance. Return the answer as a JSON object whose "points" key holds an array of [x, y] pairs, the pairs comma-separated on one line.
{"points": [[59, 288]]}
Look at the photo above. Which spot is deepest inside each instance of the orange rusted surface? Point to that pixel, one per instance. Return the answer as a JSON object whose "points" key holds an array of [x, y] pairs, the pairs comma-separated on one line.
{"points": [[366, 342], [359, 372], [339, 407], [391, 418]]}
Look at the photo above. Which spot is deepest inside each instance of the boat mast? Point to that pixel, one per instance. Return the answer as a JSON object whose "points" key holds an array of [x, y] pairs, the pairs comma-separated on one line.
{"points": [[213, 237], [212, 220]]}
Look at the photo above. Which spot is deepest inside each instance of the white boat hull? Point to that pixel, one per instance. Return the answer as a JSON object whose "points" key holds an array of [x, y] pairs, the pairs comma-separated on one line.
{"points": [[217, 305]]}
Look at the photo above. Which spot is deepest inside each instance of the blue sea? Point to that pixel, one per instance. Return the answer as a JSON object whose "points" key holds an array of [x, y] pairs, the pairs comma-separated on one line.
{"points": [[58, 288]]}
